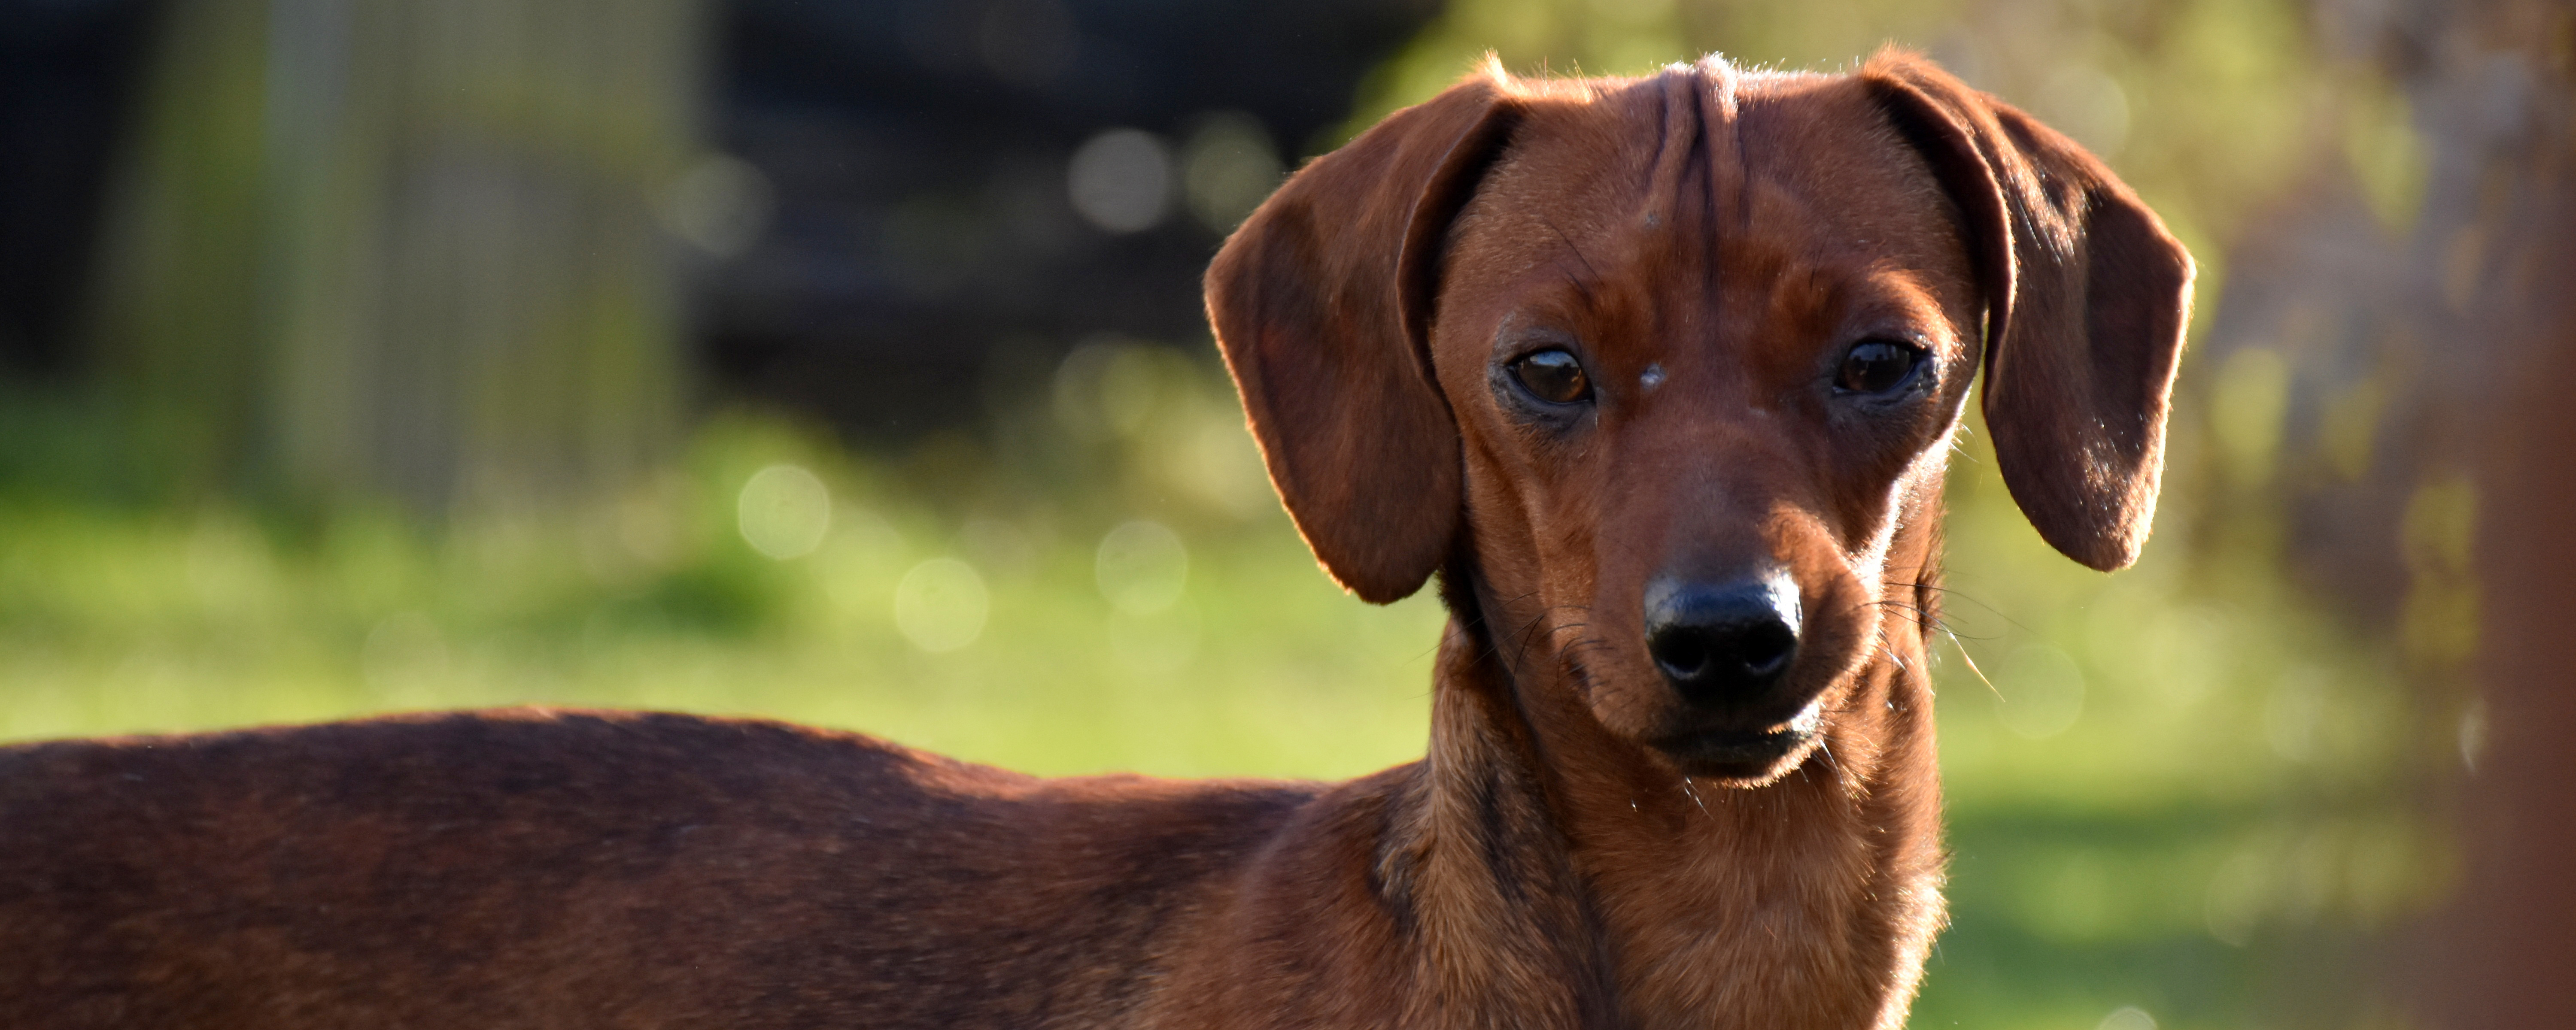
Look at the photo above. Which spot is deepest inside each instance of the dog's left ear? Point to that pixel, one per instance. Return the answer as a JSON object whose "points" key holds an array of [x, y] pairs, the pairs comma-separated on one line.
{"points": [[1322, 303], [2086, 300]]}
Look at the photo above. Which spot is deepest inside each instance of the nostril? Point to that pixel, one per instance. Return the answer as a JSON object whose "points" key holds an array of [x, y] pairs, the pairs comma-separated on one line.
{"points": [[1682, 654], [1723, 642], [1766, 649]]}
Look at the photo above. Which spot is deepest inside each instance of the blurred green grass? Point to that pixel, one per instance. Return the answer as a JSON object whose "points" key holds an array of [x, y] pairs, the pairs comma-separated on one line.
{"points": [[2194, 792]]}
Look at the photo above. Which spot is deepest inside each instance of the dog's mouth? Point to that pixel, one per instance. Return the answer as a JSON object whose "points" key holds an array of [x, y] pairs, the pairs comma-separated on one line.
{"points": [[1740, 754]]}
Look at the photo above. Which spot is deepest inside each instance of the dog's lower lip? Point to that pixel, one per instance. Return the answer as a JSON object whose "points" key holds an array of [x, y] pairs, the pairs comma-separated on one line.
{"points": [[1738, 752], [1725, 750]]}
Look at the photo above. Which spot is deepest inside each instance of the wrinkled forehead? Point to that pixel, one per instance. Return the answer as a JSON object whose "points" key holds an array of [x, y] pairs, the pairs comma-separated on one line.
{"points": [[1700, 166]]}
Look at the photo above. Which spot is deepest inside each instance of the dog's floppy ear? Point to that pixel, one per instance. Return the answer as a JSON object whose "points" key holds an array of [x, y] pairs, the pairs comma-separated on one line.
{"points": [[1321, 303], [2086, 299]]}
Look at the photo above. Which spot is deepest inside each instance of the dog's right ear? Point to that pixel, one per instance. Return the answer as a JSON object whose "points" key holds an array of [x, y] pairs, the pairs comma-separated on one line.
{"points": [[1322, 304]]}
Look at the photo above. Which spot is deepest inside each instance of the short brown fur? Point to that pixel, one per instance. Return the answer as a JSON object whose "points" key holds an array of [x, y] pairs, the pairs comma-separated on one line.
{"points": [[1708, 240]]}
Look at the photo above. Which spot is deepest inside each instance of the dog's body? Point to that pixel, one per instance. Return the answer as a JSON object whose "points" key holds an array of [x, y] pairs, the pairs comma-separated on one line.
{"points": [[1655, 374], [554, 870]]}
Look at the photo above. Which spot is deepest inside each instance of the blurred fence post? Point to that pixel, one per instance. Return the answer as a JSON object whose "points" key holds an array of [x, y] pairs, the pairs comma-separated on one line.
{"points": [[407, 247], [175, 304]]}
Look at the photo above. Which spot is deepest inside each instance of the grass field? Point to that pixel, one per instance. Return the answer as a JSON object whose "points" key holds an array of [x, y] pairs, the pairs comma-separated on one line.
{"points": [[2175, 790]]}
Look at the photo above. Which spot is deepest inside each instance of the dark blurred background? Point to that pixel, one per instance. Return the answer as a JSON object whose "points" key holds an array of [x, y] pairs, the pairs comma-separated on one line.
{"points": [[265, 219], [844, 362]]}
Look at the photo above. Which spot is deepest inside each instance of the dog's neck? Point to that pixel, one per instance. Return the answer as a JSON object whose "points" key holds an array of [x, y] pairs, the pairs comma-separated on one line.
{"points": [[1558, 876]]}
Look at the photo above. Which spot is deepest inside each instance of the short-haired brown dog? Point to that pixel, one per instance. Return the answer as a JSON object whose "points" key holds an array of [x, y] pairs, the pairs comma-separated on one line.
{"points": [[1655, 374]]}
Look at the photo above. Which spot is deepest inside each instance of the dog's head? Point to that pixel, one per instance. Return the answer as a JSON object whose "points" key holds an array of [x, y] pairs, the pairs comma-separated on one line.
{"points": [[1668, 365]]}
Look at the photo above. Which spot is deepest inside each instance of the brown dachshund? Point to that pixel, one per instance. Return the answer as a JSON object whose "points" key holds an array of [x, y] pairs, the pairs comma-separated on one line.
{"points": [[1656, 374]]}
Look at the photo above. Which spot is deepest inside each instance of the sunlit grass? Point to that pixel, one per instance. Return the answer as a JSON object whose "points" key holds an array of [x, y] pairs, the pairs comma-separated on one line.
{"points": [[122, 630]]}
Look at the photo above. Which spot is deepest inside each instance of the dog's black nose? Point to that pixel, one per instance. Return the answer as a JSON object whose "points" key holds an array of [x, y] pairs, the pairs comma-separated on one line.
{"points": [[1722, 643]]}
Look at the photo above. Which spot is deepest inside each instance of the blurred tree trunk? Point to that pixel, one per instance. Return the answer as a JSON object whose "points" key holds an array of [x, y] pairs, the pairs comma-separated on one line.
{"points": [[2510, 950], [2443, 450], [405, 247]]}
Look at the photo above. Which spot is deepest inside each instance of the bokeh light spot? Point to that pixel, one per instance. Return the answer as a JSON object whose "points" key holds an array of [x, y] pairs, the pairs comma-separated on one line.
{"points": [[720, 204], [941, 605], [2127, 1018], [1142, 567], [1121, 180], [1228, 168], [2083, 102], [784, 511]]}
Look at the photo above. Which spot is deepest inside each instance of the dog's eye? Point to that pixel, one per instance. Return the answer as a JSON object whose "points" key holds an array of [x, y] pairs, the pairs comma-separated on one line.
{"points": [[1878, 366], [1553, 376]]}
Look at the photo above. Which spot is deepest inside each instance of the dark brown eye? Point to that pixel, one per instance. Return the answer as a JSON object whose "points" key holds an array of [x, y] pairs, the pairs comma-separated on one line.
{"points": [[1878, 366], [1553, 376]]}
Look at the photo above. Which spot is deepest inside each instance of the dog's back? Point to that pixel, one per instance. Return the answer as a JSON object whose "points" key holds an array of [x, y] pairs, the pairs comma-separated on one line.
{"points": [[546, 869]]}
